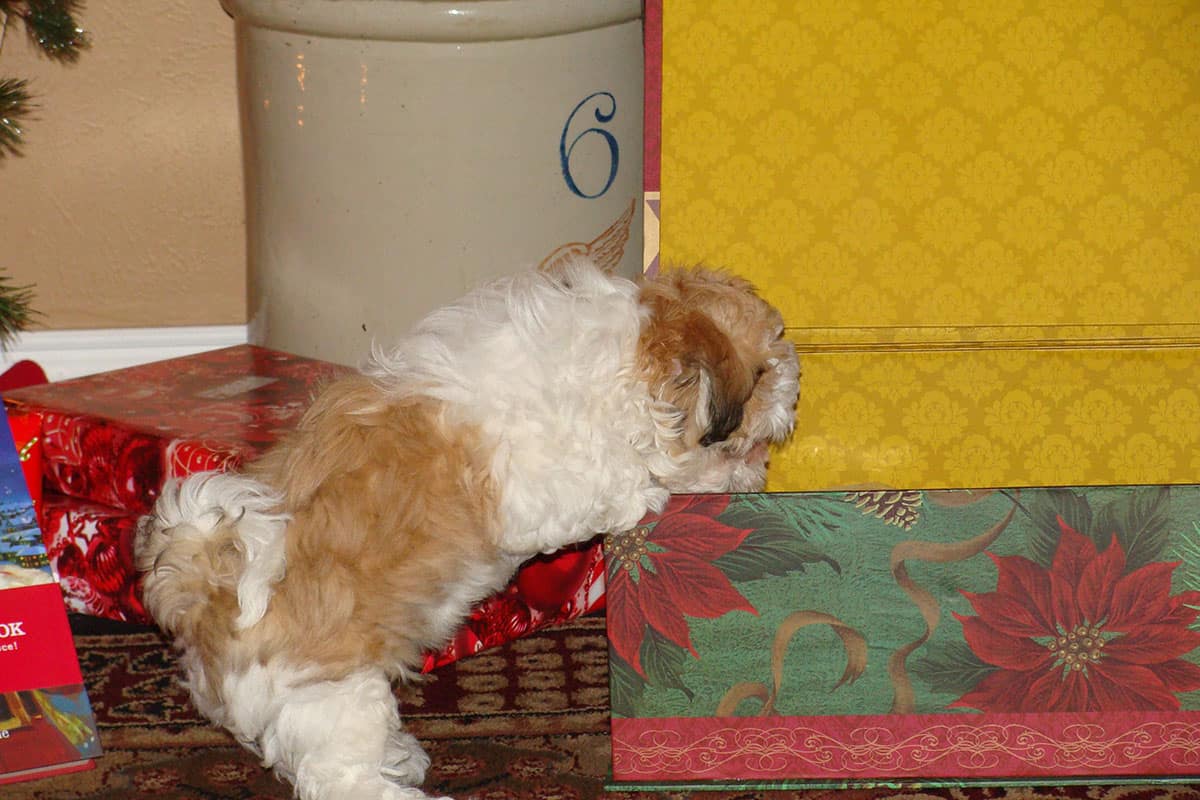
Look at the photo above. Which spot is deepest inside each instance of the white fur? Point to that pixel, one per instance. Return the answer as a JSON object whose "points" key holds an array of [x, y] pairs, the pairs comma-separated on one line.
{"points": [[191, 511], [779, 417], [546, 371], [447, 617], [333, 739]]}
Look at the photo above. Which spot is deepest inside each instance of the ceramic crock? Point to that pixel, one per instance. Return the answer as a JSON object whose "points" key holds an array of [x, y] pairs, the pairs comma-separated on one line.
{"points": [[398, 152]]}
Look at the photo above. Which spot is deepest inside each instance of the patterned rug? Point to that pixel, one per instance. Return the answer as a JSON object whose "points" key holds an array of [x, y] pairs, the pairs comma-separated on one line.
{"points": [[527, 721]]}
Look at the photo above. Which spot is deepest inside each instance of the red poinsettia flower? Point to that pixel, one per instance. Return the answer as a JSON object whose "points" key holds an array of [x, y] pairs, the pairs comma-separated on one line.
{"points": [[656, 582], [1083, 635]]}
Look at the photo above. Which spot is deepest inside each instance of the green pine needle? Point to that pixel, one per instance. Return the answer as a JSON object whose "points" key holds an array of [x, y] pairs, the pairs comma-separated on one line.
{"points": [[16, 310], [14, 106], [51, 24]]}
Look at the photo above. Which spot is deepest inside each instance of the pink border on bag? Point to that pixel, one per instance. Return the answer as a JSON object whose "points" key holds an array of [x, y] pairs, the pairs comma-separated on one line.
{"points": [[906, 747]]}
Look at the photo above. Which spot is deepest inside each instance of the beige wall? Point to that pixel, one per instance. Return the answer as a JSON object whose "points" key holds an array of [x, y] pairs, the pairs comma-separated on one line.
{"points": [[126, 209]]}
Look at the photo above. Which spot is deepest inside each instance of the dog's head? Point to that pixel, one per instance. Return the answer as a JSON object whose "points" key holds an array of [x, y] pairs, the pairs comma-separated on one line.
{"points": [[713, 354]]}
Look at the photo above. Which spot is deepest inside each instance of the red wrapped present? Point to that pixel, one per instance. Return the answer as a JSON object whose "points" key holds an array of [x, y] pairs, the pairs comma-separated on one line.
{"points": [[110, 441], [91, 550], [26, 433], [115, 438], [546, 591]]}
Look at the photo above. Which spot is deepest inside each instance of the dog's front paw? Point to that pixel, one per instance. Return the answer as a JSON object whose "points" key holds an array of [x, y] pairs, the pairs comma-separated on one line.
{"points": [[656, 498], [404, 761]]}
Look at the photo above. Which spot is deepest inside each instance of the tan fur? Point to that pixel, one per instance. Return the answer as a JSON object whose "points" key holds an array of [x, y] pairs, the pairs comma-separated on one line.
{"points": [[381, 495], [705, 323]]}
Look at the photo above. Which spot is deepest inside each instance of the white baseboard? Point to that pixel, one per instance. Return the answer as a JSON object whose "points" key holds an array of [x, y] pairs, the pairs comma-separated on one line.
{"points": [[70, 354]]}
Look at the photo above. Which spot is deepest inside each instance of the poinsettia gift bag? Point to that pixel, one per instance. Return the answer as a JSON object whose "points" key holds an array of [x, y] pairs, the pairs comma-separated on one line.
{"points": [[936, 637]]}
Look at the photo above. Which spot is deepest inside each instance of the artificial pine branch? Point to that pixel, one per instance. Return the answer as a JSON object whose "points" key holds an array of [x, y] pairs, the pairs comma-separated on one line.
{"points": [[14, 105], [51, 25], [16, 310]]}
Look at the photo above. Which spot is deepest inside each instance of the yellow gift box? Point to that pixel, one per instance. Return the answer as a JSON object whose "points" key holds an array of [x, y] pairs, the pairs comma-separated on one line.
{"points": [[981, 221]]}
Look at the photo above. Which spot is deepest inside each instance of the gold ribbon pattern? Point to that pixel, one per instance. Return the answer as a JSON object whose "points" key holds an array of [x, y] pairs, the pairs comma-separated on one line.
{"points": [[903, 701], [856, 661]]}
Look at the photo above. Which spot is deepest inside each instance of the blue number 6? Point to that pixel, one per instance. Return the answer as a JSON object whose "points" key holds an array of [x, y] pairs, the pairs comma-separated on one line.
{"points": [[564, 150]]}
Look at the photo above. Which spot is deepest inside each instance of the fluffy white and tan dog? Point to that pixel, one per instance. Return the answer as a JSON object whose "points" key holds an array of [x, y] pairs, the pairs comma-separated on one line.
{"points": [[536, 412]]}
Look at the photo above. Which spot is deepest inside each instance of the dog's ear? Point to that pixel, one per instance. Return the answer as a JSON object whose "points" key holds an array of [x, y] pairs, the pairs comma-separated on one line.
{"points": [[704, 376]]}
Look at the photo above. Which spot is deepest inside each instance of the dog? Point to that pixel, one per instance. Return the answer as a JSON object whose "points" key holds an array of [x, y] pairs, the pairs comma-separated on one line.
{"points": [[538, 411]]}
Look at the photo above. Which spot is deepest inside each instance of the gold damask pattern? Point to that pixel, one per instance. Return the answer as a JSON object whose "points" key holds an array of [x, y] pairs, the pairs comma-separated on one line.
{"points": [[948, 175], [1005, 417], [939, 162]]}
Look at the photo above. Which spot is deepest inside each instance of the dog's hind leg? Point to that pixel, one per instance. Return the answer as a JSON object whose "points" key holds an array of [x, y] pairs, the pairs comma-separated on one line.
{"points": [[341, 740], [404, 761]]}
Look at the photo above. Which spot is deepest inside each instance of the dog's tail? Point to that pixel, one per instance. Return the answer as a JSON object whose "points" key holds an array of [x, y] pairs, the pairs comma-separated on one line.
{"points": [[210, 535]]}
